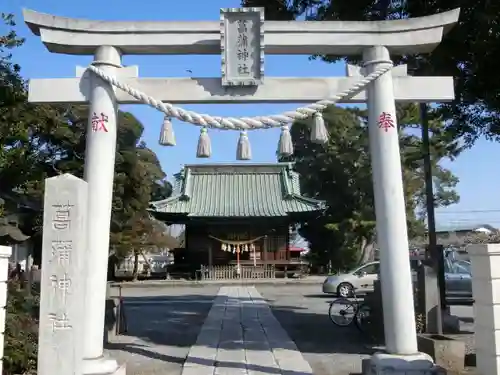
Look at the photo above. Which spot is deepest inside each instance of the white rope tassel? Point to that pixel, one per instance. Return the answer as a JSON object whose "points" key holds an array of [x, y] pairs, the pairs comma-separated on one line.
{"points": [[319, 133], [204, 145], [243, 150], [285, 146], [167, 136]]}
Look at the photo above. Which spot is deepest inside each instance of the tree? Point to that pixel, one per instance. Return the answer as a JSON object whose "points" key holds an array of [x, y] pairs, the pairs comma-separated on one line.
{"points": [[142, 233], [24, 130], [41, 141], [139, 179], [340, 173], [9, 72], [16, 157], [469, 52]]}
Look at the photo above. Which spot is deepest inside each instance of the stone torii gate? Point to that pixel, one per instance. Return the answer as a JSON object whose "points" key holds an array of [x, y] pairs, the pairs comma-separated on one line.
{"points": [[242, 37]]}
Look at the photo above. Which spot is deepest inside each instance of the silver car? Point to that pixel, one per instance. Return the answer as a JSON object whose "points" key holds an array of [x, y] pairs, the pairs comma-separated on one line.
{"points": [[457, 277], [361, 279]]}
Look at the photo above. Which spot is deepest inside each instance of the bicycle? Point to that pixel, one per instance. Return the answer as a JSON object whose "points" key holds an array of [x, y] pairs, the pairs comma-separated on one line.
{"points": [[343, 312], [364, 320]]}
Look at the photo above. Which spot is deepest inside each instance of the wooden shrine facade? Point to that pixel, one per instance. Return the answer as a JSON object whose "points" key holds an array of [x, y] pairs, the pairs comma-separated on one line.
{"points": [[237, 217]]}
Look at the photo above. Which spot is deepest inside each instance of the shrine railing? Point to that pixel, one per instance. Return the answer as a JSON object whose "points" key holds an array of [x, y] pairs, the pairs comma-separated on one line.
{"points": [[230, 272]]}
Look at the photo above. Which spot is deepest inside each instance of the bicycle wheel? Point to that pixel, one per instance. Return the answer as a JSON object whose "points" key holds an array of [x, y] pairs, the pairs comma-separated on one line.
{"points": [[363, 319], [342, 311]]}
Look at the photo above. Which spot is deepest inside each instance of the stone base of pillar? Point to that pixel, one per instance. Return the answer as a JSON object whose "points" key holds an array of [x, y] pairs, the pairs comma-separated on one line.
{"points": [[119, 371], [102, 366], [415, 364]]}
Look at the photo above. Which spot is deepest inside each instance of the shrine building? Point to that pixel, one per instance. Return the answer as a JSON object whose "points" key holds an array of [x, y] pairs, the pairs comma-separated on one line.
{"points": [[237, 218]]}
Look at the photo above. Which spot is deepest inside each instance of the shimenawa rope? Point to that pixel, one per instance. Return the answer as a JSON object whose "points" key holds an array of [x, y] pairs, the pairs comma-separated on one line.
{"points": [[243, 123]]}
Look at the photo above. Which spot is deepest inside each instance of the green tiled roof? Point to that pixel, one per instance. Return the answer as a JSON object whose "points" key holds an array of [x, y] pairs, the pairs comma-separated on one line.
{"points": [[237, 190]]}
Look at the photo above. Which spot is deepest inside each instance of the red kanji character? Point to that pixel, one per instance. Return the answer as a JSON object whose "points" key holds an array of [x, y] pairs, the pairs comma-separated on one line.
{"points": [[99, 122], [385, 121]]}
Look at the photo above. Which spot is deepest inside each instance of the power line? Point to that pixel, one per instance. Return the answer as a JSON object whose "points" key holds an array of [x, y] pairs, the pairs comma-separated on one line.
{"points": [[467, 212]]}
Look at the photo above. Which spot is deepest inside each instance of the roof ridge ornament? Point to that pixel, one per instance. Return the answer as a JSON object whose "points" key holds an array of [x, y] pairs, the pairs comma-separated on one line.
{"points": [[186, 185], [285, 177]]}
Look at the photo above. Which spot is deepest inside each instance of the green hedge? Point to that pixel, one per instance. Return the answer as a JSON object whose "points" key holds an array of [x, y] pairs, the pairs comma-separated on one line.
{"points": [[21, 331]]}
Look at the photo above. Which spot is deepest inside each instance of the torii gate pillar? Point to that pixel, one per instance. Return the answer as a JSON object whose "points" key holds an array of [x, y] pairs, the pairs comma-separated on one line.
{"points": [[99, 174], [392, 235]]}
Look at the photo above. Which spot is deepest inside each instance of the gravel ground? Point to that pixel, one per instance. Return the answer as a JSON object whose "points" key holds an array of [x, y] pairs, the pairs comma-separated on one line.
{"points": [[162, 326], [164, 323], [466, 316], [303, 312]]}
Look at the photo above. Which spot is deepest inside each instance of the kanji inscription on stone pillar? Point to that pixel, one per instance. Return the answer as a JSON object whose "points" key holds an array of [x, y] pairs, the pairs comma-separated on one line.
{"points": [[60, 350], [242, 46]]}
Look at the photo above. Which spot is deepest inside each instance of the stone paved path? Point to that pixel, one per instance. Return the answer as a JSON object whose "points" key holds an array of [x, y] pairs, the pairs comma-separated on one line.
{"points": [[241, 336]]}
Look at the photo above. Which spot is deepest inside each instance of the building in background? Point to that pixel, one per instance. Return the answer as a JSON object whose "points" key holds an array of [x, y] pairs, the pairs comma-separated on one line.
{"points": [[237, 215]]}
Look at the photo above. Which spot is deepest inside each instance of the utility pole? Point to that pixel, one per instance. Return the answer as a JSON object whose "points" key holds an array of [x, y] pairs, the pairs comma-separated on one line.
{"points": [[436, 252]]}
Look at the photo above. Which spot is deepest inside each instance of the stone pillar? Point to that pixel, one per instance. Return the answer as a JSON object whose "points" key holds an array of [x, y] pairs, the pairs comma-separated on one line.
{"points": [[392, 236], [99, 173], [485, 259], [62, 288], [5, 253]]}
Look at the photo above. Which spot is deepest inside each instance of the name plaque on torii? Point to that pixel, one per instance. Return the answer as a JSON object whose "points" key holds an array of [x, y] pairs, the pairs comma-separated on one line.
{"points": [[242, 46]]}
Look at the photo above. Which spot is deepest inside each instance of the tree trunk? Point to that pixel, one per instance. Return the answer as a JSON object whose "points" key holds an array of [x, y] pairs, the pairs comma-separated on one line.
{"points": [[367, 251], [135, 272], [148, 264]]}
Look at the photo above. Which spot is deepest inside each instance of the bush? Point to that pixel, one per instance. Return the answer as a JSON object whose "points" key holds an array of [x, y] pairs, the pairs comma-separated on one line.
{"points": [[21, 331]]}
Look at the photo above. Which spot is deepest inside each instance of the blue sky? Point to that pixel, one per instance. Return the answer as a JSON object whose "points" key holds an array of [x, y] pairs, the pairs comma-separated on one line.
{"points": [[477, 168]]}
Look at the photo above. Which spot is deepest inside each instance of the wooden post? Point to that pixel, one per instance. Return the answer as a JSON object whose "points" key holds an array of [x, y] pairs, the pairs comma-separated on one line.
{"points": [[287, 242], [5, 253], [238, 267], [210, 254], [287, 249], [264, 251]]}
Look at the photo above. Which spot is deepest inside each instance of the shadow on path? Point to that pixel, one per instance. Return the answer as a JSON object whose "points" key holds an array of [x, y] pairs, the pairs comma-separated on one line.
{"points": [[136, 349], [176, 321]]}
